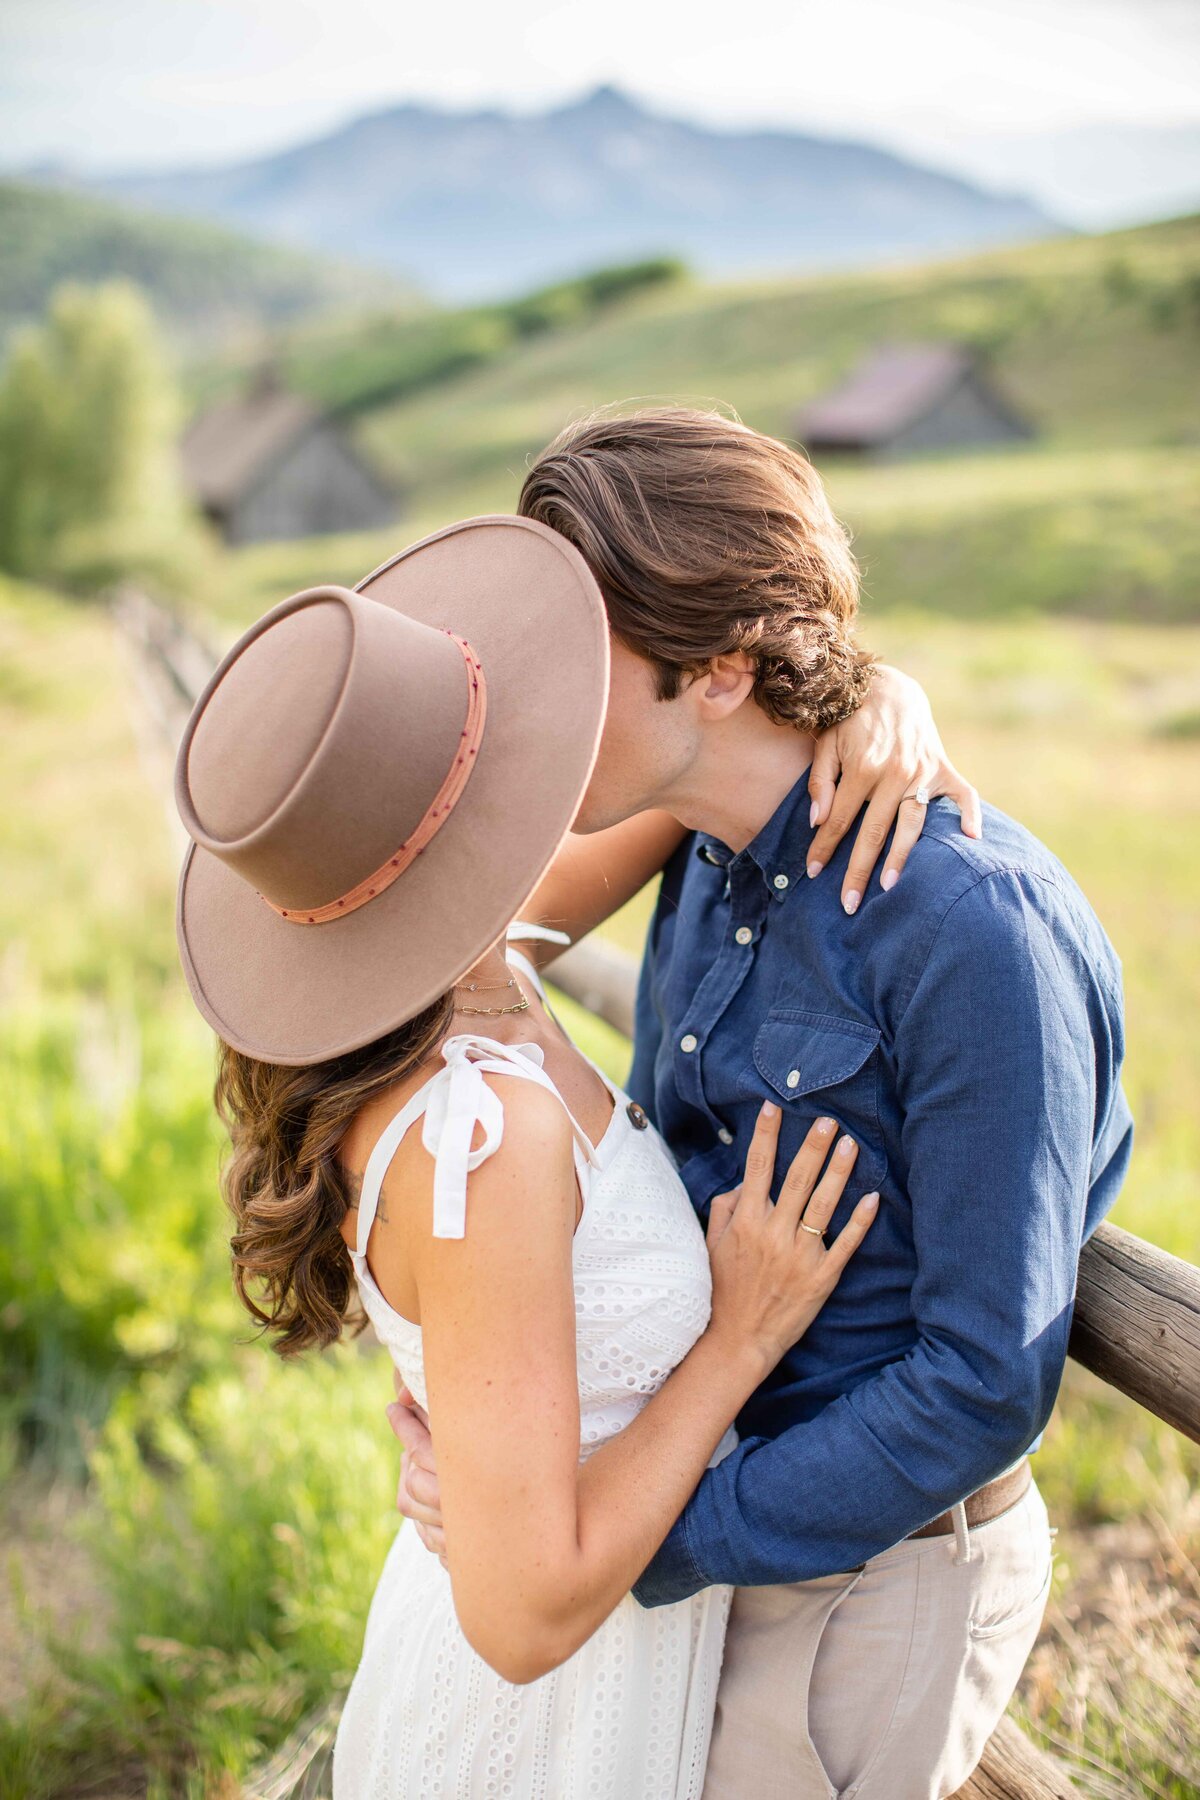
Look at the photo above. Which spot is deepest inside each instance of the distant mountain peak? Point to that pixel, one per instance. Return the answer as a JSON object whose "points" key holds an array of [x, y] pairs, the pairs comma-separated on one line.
{"points": [[605, 101], [481, 203]]}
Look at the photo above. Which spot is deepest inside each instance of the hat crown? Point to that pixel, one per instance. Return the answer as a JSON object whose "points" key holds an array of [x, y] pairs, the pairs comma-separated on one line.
{"points": [[267, 716], [320, 743]]}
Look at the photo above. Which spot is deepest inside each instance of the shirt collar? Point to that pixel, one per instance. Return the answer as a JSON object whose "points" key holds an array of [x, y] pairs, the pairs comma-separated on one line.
{"points": [[779, 850]]}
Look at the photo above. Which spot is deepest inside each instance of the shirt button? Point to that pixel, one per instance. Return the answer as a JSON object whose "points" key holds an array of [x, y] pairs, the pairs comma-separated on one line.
{"points": [[793, 1079], [689, 1043], [726, 1137], [743, 934], [781, 881]]}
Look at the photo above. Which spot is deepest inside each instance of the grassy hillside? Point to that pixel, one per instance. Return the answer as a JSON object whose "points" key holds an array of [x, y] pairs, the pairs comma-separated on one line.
{"points": [[1098, 339], [354, 365], [207, 283], [236, 1510], [1094, 337]]}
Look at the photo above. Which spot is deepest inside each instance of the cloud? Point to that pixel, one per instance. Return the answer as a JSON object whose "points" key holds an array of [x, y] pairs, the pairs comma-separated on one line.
{"points": [[111, 83]]}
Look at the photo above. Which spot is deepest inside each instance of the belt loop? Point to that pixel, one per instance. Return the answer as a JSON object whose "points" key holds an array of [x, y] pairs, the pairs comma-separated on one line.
{"points": [[962, 1536]]}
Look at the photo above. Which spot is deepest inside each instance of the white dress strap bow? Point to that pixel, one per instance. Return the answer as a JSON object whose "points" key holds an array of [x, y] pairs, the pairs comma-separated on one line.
{"points": [[459, 1099]]}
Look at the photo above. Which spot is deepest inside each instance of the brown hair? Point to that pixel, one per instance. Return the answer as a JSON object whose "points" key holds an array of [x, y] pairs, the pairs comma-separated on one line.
{"points": [[707, 537], [285, 1185]]}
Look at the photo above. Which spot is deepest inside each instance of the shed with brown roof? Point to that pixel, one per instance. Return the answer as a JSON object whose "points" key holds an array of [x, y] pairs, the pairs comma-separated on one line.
{"points": [[268, 464], [907, 398]]}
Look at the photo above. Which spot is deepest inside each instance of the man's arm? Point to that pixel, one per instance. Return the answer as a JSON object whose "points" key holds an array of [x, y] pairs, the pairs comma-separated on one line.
{"points": [[1006, 1060]]}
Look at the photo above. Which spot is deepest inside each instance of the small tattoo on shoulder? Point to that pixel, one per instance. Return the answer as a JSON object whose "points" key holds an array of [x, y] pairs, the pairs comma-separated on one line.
{"points": [[354, 1184]]}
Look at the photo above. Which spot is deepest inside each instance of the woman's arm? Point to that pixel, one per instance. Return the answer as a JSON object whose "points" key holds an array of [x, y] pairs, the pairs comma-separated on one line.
{"points": [[882, 754], [540, 1551], [595, 873]]}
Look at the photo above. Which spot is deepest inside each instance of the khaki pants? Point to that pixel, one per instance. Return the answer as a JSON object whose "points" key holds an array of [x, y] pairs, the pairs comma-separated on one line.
{"points": [[883, 1684]]}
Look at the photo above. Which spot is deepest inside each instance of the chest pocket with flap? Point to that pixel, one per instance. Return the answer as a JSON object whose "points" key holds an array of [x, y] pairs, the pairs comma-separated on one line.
{"points": [[820, 1063]]}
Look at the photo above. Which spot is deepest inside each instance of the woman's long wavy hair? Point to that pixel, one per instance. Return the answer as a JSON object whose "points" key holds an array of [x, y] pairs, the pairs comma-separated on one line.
{"points": [[285, 1186]]}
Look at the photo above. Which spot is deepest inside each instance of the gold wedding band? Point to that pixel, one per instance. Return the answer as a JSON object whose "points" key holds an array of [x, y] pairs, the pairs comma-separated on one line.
{"points": [[816, 1231]]}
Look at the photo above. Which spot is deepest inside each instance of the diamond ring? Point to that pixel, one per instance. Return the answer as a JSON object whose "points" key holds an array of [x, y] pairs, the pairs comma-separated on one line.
{"points": [[921, 796]]}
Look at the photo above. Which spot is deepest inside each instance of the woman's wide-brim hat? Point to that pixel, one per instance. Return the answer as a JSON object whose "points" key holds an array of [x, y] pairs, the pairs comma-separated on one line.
{"points": [[375, 779]]}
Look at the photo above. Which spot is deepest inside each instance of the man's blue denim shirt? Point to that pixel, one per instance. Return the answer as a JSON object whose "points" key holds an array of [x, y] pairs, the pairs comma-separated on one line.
{"points": [[967, 1030]]}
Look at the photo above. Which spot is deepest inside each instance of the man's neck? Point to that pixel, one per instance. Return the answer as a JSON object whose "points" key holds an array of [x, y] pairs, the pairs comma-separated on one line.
{"points": [[742, 773]]}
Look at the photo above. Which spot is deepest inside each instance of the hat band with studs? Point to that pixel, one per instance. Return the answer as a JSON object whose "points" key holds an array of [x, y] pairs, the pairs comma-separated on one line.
{"points": [[444, 802]]}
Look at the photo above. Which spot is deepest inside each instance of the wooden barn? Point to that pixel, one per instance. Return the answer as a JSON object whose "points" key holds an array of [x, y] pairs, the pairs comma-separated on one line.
{"points": [[270, 465], [906, 399]]}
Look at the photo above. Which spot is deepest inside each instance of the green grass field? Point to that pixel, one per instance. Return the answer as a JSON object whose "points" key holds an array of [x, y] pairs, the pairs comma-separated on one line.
{"points": [[229, 1513]]}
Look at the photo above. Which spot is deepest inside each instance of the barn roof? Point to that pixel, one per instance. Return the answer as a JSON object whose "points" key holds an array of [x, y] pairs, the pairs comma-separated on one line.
{"points": [[886, 391], [226, 448]]}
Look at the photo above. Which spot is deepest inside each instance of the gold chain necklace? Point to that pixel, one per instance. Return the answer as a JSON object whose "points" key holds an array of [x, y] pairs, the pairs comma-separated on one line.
{"points": [[484, 987]]}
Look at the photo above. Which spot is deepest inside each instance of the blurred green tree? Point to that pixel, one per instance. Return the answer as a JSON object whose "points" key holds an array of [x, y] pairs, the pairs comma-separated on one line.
{"points": [[89, 420]]}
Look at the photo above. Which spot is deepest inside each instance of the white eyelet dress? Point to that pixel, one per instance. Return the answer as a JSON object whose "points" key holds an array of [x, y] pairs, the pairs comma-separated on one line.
{"points": [[628, 1717]]}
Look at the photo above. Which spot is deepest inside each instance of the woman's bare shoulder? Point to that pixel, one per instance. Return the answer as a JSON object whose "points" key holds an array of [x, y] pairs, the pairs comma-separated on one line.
{"points": [[366, 1128], [536, 1126]]}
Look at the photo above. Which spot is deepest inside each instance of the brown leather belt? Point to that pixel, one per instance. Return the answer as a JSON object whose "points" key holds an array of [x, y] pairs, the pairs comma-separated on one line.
{"points": [[987, 1502]]}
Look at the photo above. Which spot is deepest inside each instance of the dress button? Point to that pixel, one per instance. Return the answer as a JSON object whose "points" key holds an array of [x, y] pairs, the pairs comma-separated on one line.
{"points": [[689, 1043], [726, 1137], [793, 1079], [781, 881], [637, 1116], [743, 934]]}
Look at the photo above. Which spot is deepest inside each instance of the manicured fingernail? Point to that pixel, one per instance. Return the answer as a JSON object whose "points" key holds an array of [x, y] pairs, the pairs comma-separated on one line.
{"points": [[825, 1126], [845, 1146], [769, 1109], [888, 879], [871, 1202], [851, 901], [814, 868], [813, 813]]}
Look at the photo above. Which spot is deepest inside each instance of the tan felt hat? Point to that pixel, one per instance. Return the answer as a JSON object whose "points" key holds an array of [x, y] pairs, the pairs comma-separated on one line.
{"points": [[375, 780]]}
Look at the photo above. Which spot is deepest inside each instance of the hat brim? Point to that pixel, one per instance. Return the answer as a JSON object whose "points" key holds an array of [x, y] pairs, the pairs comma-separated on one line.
{"points": [[529, 605]]}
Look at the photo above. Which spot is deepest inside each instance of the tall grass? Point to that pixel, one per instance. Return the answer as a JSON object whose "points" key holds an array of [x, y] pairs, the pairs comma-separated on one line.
{"points": [[233, 1512]]}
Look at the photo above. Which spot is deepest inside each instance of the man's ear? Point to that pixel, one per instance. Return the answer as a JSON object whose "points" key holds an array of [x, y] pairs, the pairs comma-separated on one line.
{"points": [[719, 690]]}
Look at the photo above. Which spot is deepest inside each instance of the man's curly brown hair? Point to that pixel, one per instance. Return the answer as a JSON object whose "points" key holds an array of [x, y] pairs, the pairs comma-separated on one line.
{"points": [[707, 537]]}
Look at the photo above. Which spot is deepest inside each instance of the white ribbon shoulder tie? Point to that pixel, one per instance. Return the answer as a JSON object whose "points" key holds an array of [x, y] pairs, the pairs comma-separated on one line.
{"points": [[457, 1103], [459, 1099]]}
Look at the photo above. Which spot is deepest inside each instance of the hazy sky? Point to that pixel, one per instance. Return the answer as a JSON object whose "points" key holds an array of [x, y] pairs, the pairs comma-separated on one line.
{"points": [[117, 83]]}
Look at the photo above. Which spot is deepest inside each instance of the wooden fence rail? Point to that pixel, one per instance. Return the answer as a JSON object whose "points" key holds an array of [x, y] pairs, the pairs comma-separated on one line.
{"points": [[1137, 1312], [1137, 1325]]}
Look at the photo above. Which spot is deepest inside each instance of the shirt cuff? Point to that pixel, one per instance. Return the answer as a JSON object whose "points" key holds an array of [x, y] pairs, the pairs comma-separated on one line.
{"points": [[672, 1573]]}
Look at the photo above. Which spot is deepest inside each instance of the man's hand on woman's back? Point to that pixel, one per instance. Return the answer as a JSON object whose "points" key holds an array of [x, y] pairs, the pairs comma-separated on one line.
{"points": [[419, 1495]]}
